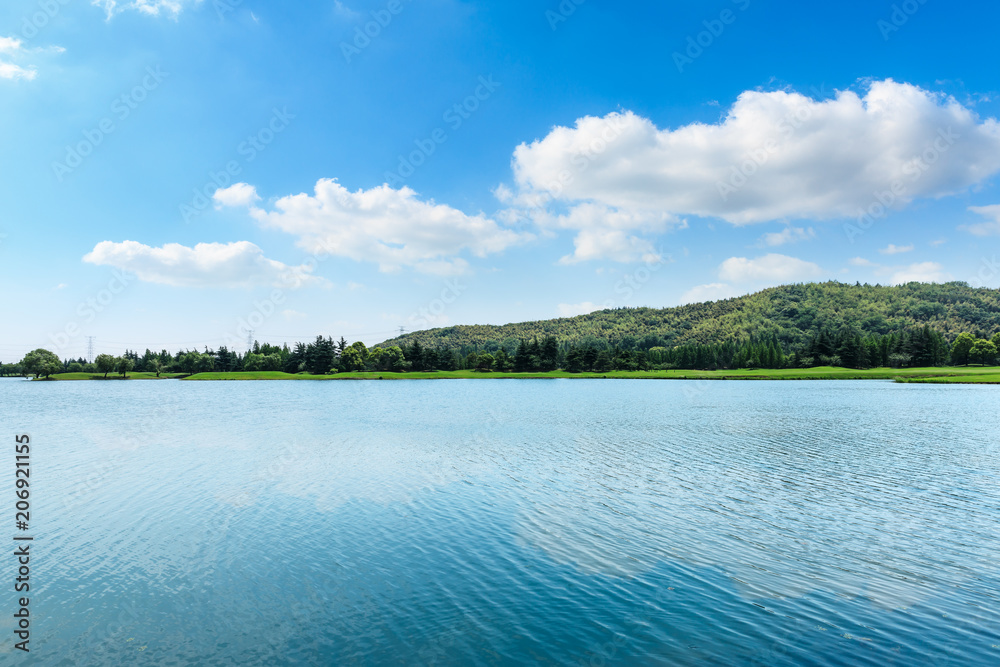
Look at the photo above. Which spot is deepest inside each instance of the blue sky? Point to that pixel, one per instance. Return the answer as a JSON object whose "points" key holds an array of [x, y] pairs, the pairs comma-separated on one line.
{"points": [[176, 172]]}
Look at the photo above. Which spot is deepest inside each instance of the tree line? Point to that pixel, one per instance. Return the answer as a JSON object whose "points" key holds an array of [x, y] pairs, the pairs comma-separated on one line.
{"points": [[848, 347]]}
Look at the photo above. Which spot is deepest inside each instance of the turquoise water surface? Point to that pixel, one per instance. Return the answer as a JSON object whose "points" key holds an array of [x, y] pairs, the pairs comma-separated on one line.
{"points": [[508, 522]]}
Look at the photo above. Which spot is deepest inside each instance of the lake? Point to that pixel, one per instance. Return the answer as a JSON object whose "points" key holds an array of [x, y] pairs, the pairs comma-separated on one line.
{"points": [[509, 522]]}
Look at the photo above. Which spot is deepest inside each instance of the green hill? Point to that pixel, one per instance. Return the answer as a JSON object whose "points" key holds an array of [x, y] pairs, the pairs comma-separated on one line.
{"points": [[793, 313]]}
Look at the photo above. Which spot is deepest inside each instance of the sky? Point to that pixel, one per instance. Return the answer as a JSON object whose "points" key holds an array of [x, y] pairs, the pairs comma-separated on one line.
{"points": [[183, 173]]}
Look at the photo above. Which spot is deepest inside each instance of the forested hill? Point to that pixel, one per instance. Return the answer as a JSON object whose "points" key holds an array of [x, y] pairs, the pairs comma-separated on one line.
{"points": [[793, 312]]}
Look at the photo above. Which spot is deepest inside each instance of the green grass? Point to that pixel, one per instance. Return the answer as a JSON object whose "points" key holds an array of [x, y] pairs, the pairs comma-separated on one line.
{"points": [[257, 375], [111, 376], [820, 373], [971, 378], [945, 375]]}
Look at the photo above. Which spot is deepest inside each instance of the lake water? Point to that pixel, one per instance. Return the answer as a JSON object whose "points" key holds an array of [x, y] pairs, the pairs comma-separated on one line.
{"points": [[508, 522]]}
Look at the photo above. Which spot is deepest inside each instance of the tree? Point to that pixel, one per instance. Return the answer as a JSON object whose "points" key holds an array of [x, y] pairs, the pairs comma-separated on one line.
{"points": [[362, 352], [155, 366], [350, 360], [392, 359], [123, 365], [271, 362], [41, 362], [985, 351], [320, 356], [961, 348], [485, 362], [105, 364], [549, 354]]}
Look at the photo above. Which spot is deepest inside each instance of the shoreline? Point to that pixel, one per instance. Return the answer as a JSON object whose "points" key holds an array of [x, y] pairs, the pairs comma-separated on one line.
{"points": [[942, 375]]}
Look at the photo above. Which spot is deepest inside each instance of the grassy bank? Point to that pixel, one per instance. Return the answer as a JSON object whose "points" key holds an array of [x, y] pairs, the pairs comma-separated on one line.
{"points": [[977, 378], [958, 374], [947, 375], [111, 376]]}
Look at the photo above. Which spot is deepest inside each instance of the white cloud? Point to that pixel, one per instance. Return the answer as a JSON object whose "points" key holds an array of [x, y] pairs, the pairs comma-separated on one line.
{"points": [[12, 46], [794, 158], [711, 292], [240, 194], [238, 264], [171, 8], [861, 261], [892, 249], [343, 10], [574, 309], [788, 235], [769, 268], [924, 272], [293, 315], [991, 228], [12, 71], [393, 228]]}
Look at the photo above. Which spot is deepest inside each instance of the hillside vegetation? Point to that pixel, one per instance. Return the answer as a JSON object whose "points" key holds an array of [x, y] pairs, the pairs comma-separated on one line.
{"points": [[794, 314]]}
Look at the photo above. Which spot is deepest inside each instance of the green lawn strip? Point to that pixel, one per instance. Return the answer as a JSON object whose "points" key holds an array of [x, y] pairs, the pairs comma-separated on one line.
{"points": [[820, 373], [963, 374], [112, 376], [986, 378]]}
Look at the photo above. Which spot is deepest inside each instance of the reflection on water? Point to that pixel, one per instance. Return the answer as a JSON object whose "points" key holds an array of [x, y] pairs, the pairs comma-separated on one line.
{"points": [[511, 522]]}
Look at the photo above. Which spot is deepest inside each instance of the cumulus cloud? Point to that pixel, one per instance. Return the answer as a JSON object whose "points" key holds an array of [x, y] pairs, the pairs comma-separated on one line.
{"points": [[924, 272], [239, 264], [9, 44], [893, 249], [710, 292], [171, 8], [11, 47], [991, 228], [788, 235], [862, 262], [240, 194], [774, 156], [574, 309], [606, 233], [393, 228], [769, 268]]}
